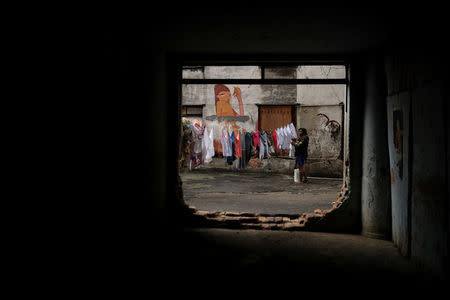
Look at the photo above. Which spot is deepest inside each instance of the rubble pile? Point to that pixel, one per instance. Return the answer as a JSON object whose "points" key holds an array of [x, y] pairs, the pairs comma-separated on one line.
{"points": [[239, 220]]}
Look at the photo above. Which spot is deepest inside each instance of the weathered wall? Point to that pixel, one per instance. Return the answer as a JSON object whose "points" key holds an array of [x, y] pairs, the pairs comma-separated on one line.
{"points": [[429, 204], [301, 35], [324, 94], [325, 150], [398, 116], [420, 202], [347, 215], [325, 140]]}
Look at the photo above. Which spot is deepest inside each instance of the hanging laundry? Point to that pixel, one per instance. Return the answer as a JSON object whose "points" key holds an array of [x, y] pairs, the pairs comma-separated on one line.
{"points": [[232, 158], [196, 148], [226, 144], [261, 146], [281, 138], [275, 145], [279, 135], [270, 141], [293, 131], [265, 142], [288, 136], [248, 147], [285, 137], [204, 144], [208, 145], [256, 141], [242, 163], [186, 141], [210, 148], [237, 147], [291, 150]]}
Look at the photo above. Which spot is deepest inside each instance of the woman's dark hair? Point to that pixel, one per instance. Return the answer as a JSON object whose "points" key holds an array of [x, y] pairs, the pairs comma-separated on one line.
{"points": [[304, 131], [217, 89]]}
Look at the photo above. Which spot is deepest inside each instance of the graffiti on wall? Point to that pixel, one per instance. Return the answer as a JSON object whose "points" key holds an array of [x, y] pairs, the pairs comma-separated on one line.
{"points": [[332, 125]]}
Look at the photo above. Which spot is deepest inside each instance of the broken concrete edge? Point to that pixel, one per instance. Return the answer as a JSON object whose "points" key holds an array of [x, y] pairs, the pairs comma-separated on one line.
{"points": [[244, 220], [336, 219], [319, 220], [212, 214]]}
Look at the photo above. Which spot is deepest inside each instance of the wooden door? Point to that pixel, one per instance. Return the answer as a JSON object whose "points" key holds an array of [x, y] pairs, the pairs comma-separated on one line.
{"points": [[272, 117]]}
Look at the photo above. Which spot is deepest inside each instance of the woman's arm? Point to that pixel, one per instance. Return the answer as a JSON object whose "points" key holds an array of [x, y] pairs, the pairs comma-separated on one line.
{"points": [[237, 93]]}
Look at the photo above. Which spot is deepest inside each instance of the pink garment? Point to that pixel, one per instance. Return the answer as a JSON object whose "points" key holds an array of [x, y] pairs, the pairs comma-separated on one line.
{"points": [[275, 140], [256, 141]]}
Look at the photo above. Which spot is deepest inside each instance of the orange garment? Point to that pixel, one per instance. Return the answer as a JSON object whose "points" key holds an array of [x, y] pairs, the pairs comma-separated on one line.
{"points": [[237, 145], [224, 109]]}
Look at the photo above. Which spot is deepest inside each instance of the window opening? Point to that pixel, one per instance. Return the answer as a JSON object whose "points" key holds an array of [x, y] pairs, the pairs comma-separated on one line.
{"points": [[234, 118], [192, 110]]}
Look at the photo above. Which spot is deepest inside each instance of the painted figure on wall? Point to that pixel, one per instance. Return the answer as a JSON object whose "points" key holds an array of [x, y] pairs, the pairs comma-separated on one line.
{"points": [[223, 101]]}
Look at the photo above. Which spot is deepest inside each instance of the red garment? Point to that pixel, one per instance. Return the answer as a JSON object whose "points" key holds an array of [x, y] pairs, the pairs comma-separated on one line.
{"points": [[237, 146], [275, 140], [256, 142]]}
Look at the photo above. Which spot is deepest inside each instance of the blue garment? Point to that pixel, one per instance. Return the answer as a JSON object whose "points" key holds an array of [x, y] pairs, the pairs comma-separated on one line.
{"points": [[233, 147], [232, 158], [300, 160]]}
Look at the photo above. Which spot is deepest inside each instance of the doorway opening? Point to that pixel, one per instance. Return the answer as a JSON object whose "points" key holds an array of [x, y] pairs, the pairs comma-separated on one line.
{"points": [[240, 130]]}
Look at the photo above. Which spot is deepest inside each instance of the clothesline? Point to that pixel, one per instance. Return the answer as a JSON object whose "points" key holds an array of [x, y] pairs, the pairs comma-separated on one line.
{"points": [[239, 144]]}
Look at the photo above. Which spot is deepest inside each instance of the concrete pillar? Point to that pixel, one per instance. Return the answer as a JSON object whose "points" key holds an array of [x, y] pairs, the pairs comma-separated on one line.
{"points": [[375, 185]]}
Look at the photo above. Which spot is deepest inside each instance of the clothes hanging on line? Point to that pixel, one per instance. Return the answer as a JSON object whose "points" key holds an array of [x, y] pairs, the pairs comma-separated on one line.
{"points": [[256, 141], [264, 149], [196, 145], [247, 146], [261, 146], [226, 144], [241, 162], [237, 145], [282, 137], [208, 145], [270, 141]]}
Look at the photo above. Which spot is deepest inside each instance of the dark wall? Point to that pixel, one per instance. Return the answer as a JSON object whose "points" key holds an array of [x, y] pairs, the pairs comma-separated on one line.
{"points": [[142, 74]]}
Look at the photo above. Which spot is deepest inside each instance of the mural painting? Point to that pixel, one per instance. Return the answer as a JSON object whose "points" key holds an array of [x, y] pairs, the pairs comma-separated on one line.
{"points": [[223, 104], [226, 116], [222, 99]]}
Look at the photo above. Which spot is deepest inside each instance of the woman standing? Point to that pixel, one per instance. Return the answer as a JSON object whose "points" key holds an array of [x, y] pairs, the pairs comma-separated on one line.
{"points": [[301, 152]]}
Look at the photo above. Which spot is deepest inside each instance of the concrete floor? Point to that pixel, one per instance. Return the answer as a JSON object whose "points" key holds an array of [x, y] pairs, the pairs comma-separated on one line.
{"points": [[257, 192], [213, 262], [231, 262]]}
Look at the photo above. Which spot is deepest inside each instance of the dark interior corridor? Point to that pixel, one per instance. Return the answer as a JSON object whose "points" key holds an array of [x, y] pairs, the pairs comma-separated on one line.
{"points": [[392, 229]]}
